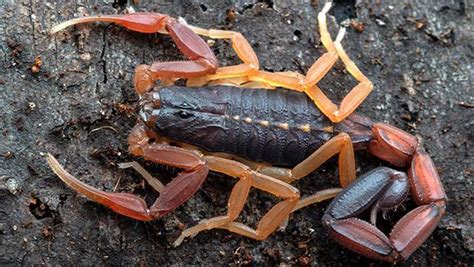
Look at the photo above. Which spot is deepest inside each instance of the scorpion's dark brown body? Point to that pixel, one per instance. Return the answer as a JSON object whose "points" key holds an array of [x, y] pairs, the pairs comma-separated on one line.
{"points": [[280, 127]]}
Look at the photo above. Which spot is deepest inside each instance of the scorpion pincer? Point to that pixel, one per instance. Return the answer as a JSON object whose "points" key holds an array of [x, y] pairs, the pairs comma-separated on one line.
{"points": [[268, 139]]}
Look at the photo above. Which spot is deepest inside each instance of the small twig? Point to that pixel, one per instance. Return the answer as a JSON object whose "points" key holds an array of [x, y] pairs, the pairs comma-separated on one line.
{"points": [[77, 71], [465, 105], [117, 183], [102, 128]]}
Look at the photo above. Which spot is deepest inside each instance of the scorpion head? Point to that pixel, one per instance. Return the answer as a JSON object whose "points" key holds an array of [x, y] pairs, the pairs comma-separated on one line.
{"points": [[184, 114]]}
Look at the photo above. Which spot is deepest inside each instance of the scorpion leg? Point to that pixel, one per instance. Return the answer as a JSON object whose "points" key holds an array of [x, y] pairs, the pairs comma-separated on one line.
{"points": [[152, 181], [180, 189], [318, 70], [357, 94], [249, 72], [341, 144], [250, 67], [296, 81], [242, 48], [269, 223], [283, 174], [246, 74]]}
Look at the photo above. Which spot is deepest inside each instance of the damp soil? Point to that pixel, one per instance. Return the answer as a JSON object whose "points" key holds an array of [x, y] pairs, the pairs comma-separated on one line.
{"points": [[71, 95]]}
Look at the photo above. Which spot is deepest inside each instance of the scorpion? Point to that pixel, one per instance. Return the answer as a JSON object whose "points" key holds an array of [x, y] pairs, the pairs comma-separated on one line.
{"points": [[243, 127]]}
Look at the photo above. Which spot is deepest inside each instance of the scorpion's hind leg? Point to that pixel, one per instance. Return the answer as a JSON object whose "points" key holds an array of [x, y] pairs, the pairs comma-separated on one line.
{"points": [[357, 94], [247, 178], [316, 72], [340, 144], [249, 69], [248, 74], [180, 189]]}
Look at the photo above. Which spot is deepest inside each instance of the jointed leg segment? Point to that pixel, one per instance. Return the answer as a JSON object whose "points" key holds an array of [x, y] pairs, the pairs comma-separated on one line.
{"points": [[340, 144], [242, 48], [202, 66], [152, 181], [357, 94], [249, 71], [247, 178]]}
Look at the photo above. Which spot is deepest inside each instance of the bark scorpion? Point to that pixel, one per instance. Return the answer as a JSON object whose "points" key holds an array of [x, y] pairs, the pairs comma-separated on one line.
{"points": [[268, 139]]}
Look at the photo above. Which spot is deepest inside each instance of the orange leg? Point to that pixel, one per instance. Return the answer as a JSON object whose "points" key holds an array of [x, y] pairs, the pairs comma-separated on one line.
{"points": [[318, 70], [262, 178], [248, 178], [353, 99], [155, 183], [242, 48], [249, 71], [341, 144]]}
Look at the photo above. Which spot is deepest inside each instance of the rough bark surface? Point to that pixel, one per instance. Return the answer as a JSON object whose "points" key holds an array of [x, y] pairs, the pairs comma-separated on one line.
{"points": [[79, 106]]}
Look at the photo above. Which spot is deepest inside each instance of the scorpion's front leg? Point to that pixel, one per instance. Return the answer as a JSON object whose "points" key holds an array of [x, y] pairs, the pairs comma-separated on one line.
{"points": [[385, 188], [201, 59], [248, 74], [247, 178], [233, 75], [180, 189]]}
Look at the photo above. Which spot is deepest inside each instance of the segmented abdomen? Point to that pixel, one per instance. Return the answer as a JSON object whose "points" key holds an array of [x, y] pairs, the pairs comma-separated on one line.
{"points": [[280, 127]]}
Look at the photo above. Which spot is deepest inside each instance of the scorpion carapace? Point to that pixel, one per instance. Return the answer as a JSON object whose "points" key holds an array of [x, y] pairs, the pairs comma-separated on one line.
{"points": [[242, 132]]}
